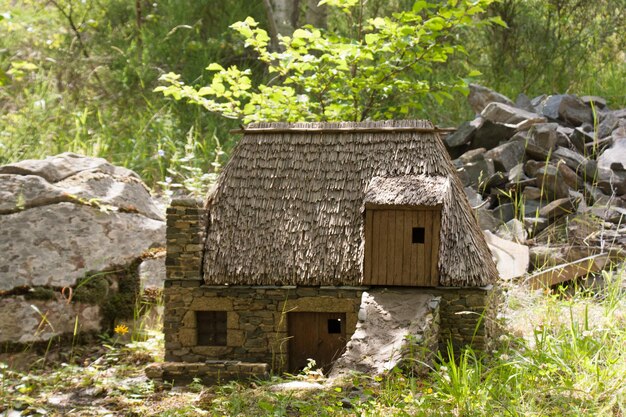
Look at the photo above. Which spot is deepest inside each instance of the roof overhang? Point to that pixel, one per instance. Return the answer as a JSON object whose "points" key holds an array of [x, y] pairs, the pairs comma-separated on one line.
{"points": [[406, 191]]}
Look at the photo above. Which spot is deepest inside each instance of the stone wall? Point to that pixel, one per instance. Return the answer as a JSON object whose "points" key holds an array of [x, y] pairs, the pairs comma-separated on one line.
{"points": [[256, 316], [256, 319], [468, 316], [186, 229], [209, 372]]}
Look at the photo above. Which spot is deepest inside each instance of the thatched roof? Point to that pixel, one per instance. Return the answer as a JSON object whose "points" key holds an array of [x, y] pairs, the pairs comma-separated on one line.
{"points": [[408, 190], [288, 207]]}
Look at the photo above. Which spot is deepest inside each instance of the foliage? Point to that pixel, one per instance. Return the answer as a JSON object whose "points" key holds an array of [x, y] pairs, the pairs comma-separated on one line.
{"points": [[561, 355], [78, 76], [377, 71], [555, 46]]}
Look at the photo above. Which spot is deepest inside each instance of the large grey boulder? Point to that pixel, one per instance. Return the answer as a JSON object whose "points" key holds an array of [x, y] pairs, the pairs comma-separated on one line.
{"points": [[511, 258], [54, 245], [507, 155], [59, 167], [64, 220], [479, 97], [567, 108], [616, 154], [510, 115]]}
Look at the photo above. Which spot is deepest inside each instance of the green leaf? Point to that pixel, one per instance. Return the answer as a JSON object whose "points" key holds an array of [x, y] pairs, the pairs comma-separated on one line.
{"points": [[215, 67], [302, 34], [371, 38], [419, 5], [498, 21], [474, 73]]}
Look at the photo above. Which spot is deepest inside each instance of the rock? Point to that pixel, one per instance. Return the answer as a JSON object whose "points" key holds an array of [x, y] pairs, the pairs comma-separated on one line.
{"points": [[474, 198], [63, 219], [510, 115], [59, 167], [557, 208], [543, 256], [511, 259], [538, 103], [567, 108], [514, 231], [523, 102], [531, 193], [463, 135], [54, 245], [535, 224], [472, 155], [611, 181], [562, 136], [569, 176], [580, 138], [496, 180], [18, 192], [396, 321], [299, 386], [531, 167], [548, 179], [152, 272], [532, 207], [21, 319], [505, 212], [613, 214], [615, 154], [594, 194], [608, 125], [478, 171], [486, 220], [544, 135], [490, 134], [479, 97], [507, 155], [516, 173], [597, 102], [572, 159]]}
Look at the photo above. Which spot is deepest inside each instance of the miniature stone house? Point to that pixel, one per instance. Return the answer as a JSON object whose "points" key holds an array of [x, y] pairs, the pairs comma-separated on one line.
{"points": [[305, 218]]}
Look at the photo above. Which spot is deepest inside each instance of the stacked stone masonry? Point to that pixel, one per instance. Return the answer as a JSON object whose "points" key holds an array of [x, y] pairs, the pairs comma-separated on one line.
{"points": [[256, 316], [186, 229], [256, 319]]}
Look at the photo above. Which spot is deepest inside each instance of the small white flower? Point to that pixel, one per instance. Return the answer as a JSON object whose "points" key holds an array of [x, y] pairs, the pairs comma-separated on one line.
{"points": [[161, 152]]}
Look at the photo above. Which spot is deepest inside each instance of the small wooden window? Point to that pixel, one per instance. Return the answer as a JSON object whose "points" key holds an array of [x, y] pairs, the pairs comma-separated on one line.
{"points": [[211, 328], [419, 234], [334, 326]]}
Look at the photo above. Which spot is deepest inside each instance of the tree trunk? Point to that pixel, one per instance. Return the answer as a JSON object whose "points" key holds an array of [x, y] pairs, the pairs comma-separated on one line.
{"points": [[285, 15], [315, 15], [282, 17]]}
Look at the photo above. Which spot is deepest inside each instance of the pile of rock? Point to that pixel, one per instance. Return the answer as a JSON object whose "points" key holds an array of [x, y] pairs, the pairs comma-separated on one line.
{"points": [[76, 240], [533, 165]]}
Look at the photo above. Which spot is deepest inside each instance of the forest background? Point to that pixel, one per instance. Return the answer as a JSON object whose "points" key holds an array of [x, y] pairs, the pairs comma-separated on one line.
{"points": [[80, 75]]}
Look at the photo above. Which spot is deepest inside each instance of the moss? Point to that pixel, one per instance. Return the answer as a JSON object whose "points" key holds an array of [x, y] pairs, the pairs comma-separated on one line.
{"points": [[122, 304], [92, 289], [40, 293]]}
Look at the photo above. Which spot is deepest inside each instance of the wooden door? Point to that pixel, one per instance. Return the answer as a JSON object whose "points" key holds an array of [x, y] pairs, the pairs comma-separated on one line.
{"points": [[401, 247], [319, 336]]}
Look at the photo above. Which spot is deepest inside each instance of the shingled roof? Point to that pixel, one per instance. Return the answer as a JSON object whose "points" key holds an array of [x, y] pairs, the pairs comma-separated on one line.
{"points": [[288, 208]]}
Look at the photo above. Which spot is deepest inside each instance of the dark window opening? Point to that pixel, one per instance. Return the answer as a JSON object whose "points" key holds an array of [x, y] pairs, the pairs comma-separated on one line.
{"points": [[419, 234], [334, 326], [211, 327]]}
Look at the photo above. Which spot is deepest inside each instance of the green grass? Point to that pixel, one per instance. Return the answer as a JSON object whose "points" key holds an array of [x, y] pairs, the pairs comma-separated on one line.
{"points": [[559, 355]]}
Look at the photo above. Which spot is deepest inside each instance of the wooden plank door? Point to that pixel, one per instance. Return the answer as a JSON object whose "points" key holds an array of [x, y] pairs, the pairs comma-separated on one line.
{"points": [[319, 336], [401, 247]]}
